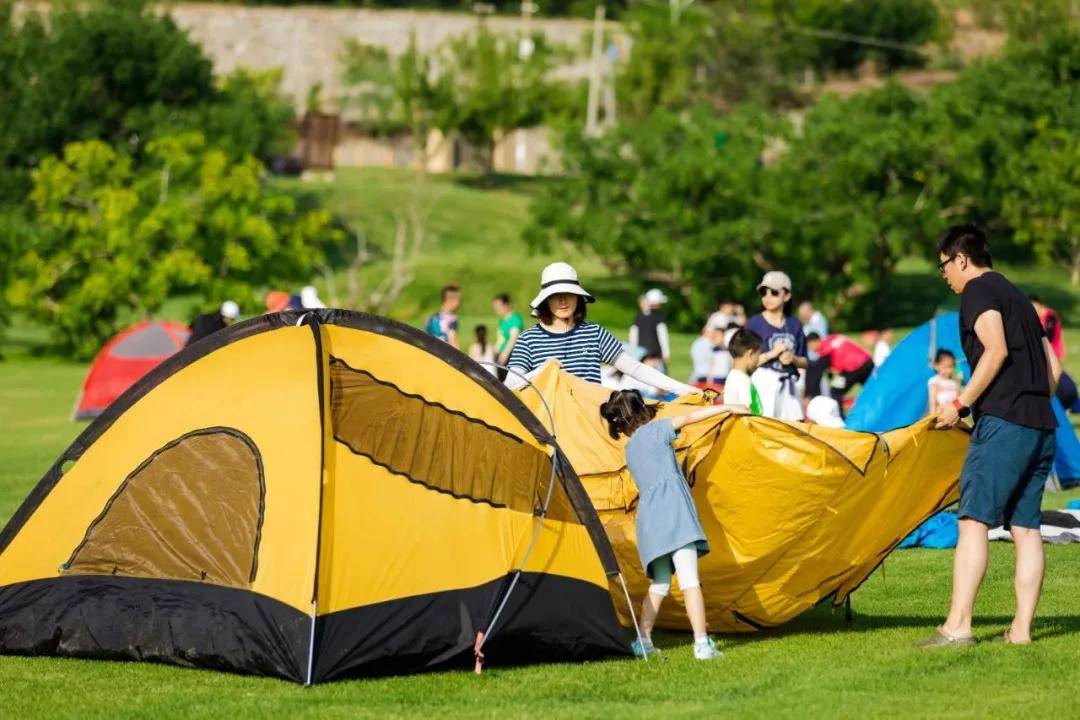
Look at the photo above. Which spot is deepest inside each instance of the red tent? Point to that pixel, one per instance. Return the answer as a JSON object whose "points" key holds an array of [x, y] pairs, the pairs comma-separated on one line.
{"points": [[128, 356]]}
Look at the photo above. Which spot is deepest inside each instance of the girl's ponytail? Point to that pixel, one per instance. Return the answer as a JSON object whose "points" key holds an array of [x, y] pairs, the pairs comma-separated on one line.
{"points": [[625, 411]]}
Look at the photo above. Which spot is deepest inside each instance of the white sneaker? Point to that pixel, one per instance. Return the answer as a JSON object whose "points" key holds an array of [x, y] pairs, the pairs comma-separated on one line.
{"points": [[706, 650]]}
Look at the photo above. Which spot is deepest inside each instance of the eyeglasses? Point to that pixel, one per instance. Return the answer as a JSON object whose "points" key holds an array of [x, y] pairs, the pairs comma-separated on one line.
{"points": [[941, 265], [763, 291]]}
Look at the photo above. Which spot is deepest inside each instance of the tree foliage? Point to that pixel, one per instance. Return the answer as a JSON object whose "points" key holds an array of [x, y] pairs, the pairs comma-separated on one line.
{"points": [[120, 72], [1044, 205], [479, 85], [836, 196], [499, 83], [394, 94], [113, 237]]}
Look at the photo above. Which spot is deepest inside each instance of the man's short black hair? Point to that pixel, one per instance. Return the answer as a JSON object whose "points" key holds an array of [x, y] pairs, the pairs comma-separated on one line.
{"points": [[812, 337], [742, 342], [503, 298], [942, 353], [449, 290], [969, 240]]}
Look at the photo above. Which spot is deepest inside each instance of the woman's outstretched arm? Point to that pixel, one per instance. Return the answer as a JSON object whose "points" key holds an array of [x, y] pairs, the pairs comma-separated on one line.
{"points": [[651, 376]]}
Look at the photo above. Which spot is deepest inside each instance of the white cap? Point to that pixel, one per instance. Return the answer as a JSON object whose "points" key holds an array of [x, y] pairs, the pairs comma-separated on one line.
{"points": [[655, 297], [825, 411], [230, 310], [559, 277], [775, 280], [309, 298]]}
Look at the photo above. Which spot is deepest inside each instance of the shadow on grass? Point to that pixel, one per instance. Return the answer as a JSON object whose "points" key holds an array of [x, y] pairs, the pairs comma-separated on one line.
{"points": [[987, 627], [525, 184]]}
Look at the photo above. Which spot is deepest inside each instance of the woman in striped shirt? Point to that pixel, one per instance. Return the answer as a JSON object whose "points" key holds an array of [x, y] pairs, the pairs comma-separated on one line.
{"points": [[579, 346]]}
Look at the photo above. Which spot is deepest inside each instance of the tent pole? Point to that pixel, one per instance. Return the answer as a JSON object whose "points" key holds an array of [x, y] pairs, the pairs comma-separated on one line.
{"points": [[321, 383], [482, 638]]}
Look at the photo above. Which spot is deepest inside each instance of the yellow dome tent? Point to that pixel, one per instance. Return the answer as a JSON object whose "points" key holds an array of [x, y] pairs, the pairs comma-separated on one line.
{"points": [[794, 513], [310, 496]]}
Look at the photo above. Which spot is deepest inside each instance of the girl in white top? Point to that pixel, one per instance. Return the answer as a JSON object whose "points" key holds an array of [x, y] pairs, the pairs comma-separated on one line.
{"points": [[943, 387]]}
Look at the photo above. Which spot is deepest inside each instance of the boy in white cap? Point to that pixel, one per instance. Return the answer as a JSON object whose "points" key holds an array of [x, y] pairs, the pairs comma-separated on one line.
{"points": [[649, 331], [783, 349], [563, 334]]}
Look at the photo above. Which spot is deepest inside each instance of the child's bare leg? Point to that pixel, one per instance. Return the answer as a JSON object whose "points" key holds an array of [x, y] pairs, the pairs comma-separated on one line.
{"points": [[695, 608], [650, 606]]}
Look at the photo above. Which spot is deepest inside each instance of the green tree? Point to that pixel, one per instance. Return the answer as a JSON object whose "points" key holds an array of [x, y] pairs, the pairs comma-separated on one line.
{"points": [[1044, 205], [114, 239], [669, 199], [121, 72], [499, 83], [397, 94], [78, 73]]}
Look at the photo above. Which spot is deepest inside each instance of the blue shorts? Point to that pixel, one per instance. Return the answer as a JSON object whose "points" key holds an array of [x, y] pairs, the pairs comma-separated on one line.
{"points": [[1005, 472]]}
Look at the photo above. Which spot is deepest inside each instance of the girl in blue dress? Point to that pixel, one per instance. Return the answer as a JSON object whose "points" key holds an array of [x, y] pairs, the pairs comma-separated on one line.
{"points": [[669, 534]]}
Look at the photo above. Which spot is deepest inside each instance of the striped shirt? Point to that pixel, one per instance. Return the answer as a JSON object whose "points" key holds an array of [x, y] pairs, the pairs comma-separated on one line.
{"points": [[581, 350]]}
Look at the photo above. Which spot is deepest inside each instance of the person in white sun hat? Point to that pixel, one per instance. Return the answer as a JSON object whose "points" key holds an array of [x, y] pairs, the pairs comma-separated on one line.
{"points": [[649, 331], [563, 334], [783, 349]]}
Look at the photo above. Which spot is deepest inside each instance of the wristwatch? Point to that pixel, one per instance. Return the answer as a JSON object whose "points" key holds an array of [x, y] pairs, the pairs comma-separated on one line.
{"points": [[961, 409]]}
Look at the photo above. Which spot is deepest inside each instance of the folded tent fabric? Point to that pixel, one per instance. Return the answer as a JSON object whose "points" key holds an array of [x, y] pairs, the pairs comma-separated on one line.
{"points": [[794, 513]]}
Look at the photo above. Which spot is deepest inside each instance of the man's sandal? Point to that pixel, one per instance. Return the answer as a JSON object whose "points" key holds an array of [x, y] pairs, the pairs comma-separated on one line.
{"points": [[1006, 639], [940, 638]]}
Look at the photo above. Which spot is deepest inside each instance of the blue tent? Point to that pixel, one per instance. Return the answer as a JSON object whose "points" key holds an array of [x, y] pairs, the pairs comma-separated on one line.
{"points": [[896, 394]]}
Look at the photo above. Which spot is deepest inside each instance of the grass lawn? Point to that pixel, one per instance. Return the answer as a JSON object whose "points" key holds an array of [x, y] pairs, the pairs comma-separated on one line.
{"points": [[814, 666]]}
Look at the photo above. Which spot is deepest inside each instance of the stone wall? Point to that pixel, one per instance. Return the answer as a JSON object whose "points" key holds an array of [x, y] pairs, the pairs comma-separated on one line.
{"points": [[305, 41]]}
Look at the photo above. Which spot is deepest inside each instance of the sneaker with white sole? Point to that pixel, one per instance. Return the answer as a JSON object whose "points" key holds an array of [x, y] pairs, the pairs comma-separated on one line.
{"points": [[706, 650], [642, 649]]}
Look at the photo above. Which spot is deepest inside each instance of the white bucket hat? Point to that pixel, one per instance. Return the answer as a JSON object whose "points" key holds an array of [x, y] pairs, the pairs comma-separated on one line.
{"points": [[558, 278]]}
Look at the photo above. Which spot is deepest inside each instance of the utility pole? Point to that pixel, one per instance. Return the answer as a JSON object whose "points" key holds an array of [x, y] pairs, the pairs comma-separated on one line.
{"points": [[592, 125]]}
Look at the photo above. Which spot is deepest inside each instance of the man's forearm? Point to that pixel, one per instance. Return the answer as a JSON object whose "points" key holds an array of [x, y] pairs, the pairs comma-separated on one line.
{"points": [[986, 370]]}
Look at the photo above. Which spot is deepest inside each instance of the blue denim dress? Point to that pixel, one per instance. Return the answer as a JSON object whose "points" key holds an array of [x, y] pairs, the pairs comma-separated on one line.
{"points": [[666, 517]]}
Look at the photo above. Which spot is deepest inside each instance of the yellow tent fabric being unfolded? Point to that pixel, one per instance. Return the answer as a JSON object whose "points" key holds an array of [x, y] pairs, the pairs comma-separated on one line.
{"points": [[794, 513]]}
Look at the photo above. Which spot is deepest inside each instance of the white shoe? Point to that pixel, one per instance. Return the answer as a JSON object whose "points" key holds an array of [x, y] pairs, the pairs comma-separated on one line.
{"points": [[706, 650]]}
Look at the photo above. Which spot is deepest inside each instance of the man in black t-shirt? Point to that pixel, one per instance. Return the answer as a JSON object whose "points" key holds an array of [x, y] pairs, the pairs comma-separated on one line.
{"points": [[1015, 373]]}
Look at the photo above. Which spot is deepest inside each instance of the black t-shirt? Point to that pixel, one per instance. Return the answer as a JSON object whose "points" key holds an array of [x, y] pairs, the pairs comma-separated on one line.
{"points": [[1021, 391], [204, 325], [648, 336]]}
